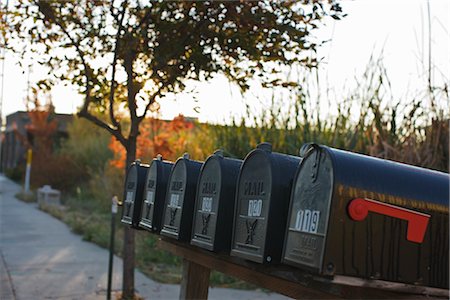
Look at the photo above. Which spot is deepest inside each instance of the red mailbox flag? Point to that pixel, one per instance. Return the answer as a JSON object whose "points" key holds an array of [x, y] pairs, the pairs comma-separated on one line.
{"points": [[359, 208]]}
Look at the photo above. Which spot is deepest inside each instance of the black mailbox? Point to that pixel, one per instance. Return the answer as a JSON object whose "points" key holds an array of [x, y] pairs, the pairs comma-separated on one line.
{"points": [[262, 201], [358, 216], [214, 204], [180, 199], [155, 194], [133, 193]]}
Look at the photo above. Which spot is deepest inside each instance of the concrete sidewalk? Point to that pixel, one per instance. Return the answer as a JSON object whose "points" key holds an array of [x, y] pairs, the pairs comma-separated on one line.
{"points": [[40, 258]]}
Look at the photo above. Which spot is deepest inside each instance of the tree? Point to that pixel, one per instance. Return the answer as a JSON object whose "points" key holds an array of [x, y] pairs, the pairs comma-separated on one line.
{"points": [[135, 52]]}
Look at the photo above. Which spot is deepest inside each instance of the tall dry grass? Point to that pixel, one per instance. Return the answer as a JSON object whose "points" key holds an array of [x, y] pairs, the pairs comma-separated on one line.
{"points": [[368, 120]]}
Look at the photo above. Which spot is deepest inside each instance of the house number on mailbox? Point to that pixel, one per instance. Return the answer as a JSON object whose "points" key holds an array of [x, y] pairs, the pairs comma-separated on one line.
{"points": [[254, 208], [149, 199], [307, 220], [207, 204], [174, 200]]}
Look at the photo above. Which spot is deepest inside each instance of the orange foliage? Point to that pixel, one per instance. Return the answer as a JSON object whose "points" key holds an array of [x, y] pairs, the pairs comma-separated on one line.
{"points": [[42, 129], [48, 167], [119, 154], [156, 137], [39, 132]]}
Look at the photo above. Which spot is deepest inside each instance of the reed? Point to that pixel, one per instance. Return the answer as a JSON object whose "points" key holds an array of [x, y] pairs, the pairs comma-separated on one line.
{"points": [[367, 120]]}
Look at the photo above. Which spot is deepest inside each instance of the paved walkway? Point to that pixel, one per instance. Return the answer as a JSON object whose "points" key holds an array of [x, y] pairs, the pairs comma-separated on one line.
{"points": [[40, 258]]}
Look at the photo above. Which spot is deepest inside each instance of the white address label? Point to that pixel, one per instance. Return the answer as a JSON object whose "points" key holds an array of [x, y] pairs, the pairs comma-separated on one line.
{"points": [[129, 197], [307, 220], [207, 204], [174, 200], [254, 208], [149, 198]]}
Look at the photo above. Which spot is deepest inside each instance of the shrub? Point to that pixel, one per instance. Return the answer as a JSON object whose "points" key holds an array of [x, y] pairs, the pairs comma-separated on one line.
{"points": [[57, 170], [87, 146], [16, 174]]}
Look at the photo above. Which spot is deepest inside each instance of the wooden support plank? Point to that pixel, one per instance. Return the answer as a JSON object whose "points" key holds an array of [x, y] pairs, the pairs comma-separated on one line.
{"points": [[224, 265], [195, 281], [286, 280]]}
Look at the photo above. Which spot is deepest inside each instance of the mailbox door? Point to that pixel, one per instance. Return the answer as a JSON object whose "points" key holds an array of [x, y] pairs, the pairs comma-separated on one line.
{"points": [[309, 212], [129, 194], [174, 200], [207, 204], [149, 196], [252, 207], [155, 195], [134, 188]]}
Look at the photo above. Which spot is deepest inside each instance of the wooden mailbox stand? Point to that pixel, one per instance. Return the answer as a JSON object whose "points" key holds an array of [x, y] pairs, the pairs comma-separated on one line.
{"points": [[286, 280]]}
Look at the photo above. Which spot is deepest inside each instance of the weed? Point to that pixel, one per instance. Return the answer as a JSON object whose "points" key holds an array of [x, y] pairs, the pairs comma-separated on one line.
{"points": [[26, 197]]}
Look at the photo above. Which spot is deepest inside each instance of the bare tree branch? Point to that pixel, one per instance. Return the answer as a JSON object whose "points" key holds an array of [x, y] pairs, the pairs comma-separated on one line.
{"points": [[113, 131], [113, 82], [150, 102], [131, 86], [145, 18], [47, 10]]}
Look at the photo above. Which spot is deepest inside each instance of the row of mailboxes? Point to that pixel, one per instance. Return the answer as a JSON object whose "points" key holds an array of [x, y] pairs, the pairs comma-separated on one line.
{"points": [[329, 211]]}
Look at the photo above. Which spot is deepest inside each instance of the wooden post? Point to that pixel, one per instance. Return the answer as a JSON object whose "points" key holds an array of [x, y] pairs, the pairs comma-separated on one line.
{"points": [[195, 282]]}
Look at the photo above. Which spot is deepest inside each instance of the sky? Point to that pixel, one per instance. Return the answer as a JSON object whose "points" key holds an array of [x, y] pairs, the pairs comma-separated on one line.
{"points": [[397, 31]]}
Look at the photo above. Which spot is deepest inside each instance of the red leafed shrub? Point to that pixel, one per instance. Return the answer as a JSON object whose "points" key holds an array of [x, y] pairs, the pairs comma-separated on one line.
{"points": [[48, 167], [59, 171], [167, 138]]}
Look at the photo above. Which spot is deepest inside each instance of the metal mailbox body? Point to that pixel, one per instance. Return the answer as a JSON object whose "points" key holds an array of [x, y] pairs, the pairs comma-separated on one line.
{"points": [[214, 205], [180, 199], [262, 200], [133, 193], [155, 195], [325, 236]]}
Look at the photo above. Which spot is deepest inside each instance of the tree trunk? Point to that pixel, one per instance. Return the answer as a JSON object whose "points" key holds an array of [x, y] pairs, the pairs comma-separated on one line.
{"points": [[128, 245]]}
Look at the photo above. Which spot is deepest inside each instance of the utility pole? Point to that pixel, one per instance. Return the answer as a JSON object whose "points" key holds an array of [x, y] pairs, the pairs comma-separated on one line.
{"points": [[114, 208], [28, 172]]}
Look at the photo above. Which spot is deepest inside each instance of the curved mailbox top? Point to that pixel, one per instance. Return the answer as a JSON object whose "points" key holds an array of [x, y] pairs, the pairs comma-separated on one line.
{"points": [[155, 194], [389, 177], [133, 193], [214, 205], [348, 212], [262, 198]]}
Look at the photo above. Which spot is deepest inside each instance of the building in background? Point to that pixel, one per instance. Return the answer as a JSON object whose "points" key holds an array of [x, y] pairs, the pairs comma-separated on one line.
{"points": [[17, 136]]}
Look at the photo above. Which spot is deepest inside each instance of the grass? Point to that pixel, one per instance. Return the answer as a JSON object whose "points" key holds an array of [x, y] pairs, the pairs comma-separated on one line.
{"points": [[368, 120], [93, 224], [26, 197]]}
